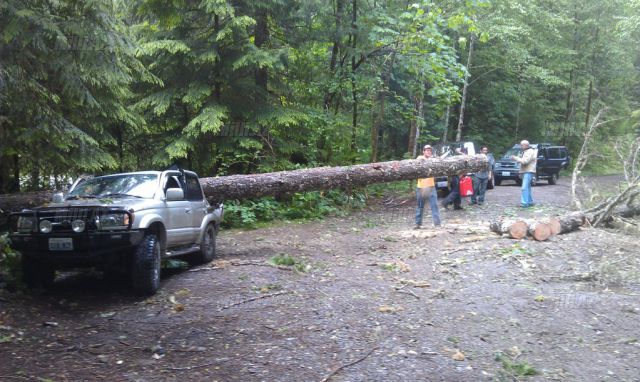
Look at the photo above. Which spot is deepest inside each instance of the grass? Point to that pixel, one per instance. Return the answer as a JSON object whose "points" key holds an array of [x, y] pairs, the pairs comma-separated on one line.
{"points": [[515, 369], [284, 259]]}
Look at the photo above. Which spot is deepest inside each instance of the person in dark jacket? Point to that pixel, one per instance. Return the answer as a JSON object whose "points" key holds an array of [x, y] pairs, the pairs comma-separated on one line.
{"points": [[454, 196], [481, 178]]}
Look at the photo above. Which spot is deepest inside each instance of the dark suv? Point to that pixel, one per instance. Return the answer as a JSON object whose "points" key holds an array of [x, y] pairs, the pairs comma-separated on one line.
{"points": [[551, 159]]}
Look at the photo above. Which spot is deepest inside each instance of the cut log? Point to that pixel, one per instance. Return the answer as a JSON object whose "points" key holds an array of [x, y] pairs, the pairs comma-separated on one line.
{"points": [[539, 231], [518, 230], [321, 178], [554, 225], [515, 229]]}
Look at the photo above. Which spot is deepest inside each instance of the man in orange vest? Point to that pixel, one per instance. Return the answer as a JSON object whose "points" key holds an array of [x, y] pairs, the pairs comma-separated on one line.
{"points": [[426, 189]]}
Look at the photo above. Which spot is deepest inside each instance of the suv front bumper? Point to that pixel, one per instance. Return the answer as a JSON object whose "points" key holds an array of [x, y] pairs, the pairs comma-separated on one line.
{"points": [[86, 249], [500, 174]]}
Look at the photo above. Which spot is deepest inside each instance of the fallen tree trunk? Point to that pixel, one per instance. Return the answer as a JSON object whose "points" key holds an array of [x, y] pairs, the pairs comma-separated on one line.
{"points": [[321, 178], [16, 202]]}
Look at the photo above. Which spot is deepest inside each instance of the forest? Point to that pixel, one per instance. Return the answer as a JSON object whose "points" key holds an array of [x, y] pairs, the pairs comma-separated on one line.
{"points": [[250, 86]]}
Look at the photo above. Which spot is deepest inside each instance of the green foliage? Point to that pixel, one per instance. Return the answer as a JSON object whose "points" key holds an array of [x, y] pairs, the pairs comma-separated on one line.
{"points": [[66, 71], [305, 206], [283, 259], [10, 265], [287, 260], [515, 369], [102, 86]]}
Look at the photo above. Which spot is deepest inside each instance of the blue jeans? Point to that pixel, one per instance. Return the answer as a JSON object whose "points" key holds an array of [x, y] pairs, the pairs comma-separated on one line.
{"points": [[433, 203], [526, 199], [479, 189]]}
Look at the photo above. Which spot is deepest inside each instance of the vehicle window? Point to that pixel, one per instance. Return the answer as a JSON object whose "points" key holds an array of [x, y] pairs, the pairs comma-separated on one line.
{"points": [[556, 153], [172, 182], [193, 192], [510, 152], [137, 185]]}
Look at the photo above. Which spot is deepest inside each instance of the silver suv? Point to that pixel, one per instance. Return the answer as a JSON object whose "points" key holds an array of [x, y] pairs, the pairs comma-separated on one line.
{"points": [[128, 221]]}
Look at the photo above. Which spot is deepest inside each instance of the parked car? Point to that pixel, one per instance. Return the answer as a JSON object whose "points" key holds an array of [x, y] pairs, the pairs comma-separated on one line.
{"points": [[454, 148], [128, 221], [551, 159]]}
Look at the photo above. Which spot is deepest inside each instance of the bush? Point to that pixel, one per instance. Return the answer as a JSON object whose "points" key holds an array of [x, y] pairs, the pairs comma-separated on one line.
{"points": [[10, 269], [305, 205]]}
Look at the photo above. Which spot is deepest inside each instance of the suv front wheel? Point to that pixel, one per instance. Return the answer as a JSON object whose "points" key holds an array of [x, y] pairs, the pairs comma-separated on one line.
{"points": [[145, 271], [35, 273], [553, 179]]}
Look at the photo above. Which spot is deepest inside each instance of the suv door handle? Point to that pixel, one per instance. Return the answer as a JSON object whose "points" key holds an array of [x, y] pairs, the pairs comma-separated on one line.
{"points": [[187, 210]]}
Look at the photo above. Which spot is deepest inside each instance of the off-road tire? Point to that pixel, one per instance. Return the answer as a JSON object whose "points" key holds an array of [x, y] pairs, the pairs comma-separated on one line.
{"points": [[553, 179], [145, 267], [490, 183], [498, 181], [207, 245], [36, 274]]}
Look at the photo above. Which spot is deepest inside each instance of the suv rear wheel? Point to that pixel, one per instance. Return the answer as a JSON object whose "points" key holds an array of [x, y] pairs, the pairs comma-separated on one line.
{"points": [[207, 246], [145, 270], [553, 179]]}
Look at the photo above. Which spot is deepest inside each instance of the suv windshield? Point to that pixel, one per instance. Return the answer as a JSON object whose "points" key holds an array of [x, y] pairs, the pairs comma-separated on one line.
{"points": [[113, 186], [511, 152]]}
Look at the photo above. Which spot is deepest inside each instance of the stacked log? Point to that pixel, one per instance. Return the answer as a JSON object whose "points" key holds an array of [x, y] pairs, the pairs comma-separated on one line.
{"points": [[541, 229]]}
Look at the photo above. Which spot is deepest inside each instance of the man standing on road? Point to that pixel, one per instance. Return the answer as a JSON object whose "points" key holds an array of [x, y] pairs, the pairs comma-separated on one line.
{"points": [[527, 162], [482, 178], [426, 190]]}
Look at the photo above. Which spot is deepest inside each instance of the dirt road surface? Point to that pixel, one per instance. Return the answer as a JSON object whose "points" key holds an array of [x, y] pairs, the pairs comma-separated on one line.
{"points": [[369, 299]]}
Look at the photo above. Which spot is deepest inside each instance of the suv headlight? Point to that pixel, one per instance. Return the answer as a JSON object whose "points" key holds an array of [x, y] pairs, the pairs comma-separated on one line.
{"points": [[77, 226], [46, 226], [113, 221], [26, 224]]}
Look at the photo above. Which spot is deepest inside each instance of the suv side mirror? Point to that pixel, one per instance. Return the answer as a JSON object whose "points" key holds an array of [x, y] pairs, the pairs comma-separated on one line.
{"points": [[58, 197], [175, 194]]}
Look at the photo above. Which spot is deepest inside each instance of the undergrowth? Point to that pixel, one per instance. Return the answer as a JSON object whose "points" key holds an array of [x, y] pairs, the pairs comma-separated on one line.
{"points": [[304, 205], [10, 270]]}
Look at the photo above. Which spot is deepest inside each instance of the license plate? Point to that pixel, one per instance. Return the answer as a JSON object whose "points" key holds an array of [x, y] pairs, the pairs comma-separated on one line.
{"points": [[442, 184], [61, 244], [506, 173]]}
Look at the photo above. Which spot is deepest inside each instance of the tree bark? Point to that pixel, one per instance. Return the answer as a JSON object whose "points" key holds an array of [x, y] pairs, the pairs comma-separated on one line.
{"points": [[261, 40], [335, 50], [354, 88], [323, 178], [377, 122], [414, 126], [463, 101], [445, 133]]}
